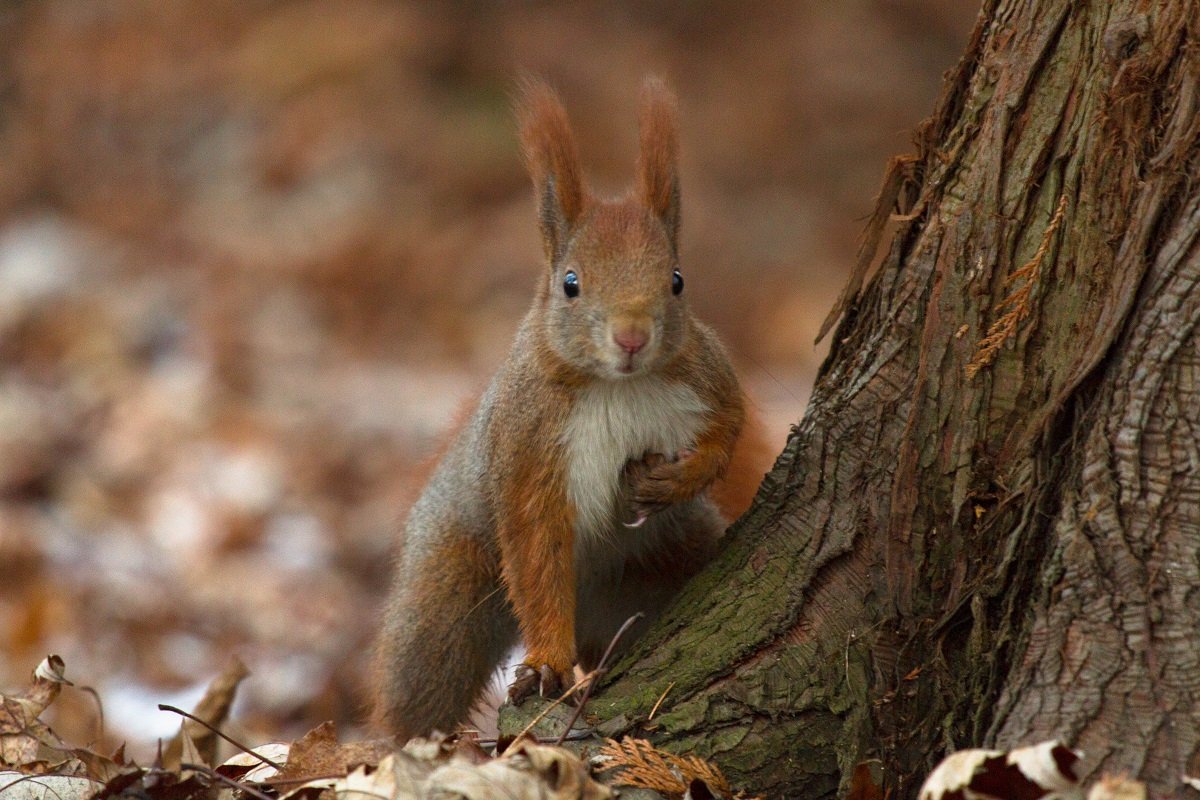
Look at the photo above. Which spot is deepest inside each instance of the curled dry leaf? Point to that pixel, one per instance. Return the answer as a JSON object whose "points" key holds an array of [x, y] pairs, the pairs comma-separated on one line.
{"points": [[524, 771], [21, 730], [1045, 770], [189, 754], [51, 672], [102, 768], [213, 708], [250, 767], [21, 709]]}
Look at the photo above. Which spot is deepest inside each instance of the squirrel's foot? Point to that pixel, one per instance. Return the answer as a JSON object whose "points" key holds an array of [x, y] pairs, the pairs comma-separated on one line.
{"points": [[543, 680], [655, 483]]}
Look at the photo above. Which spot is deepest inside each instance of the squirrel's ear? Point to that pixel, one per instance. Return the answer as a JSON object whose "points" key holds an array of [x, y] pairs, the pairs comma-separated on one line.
{"points": [[553, 162], [658, 175]]}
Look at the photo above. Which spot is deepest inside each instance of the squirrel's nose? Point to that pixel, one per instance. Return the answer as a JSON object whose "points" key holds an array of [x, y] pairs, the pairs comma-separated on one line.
{"points": [[631, 340]]}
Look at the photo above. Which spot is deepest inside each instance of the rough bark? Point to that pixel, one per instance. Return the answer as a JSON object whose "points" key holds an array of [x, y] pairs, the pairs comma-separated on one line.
{"points": [[967, 545]]}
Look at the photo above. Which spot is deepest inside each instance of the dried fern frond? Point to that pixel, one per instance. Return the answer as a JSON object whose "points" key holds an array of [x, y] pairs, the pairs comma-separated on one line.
{"points": [[639, 763], [1017, 302]]}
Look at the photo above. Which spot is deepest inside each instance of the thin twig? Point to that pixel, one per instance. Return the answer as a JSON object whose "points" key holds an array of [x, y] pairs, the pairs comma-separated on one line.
{"points": [[542, 714], [234, 742], [661, 697], [300, 779], [595, 674], [212, 773], [99, 708]]}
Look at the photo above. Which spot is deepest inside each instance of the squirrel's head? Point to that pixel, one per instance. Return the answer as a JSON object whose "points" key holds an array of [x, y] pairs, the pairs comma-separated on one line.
{"points": [[611, 301]]}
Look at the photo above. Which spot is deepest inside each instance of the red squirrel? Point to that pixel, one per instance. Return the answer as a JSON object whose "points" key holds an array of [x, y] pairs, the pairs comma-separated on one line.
{"points": [[600, 466]]}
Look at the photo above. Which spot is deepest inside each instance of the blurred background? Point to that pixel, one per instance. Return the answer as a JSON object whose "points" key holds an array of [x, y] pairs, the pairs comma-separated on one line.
{"points": [[254, 255]]}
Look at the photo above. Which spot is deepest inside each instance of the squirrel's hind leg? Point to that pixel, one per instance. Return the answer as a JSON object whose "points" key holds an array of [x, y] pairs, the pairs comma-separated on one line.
{"points": [[447, 627]]}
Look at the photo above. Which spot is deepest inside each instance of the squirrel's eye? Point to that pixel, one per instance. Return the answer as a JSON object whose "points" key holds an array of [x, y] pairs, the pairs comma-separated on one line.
{"points": [[571, 284], [676, 282]]}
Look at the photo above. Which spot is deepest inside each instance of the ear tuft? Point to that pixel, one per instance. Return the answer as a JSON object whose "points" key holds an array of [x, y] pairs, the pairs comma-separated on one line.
{"points": [[658, 175], [552, 160]]}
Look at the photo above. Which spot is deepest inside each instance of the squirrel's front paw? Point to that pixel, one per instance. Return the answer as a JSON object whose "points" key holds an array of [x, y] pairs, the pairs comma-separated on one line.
{"points": [[655, 483], [544, 680]]}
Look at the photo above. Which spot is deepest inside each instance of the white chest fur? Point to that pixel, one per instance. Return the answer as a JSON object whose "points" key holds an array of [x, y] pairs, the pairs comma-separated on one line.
{"points": [[614, 421]]}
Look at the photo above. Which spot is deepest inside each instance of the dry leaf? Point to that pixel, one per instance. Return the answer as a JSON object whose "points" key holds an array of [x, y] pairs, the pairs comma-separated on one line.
{"points": [[189, 754], [213, 708], [318, 753], [1026, 773], [366, 783], [409, 774], [314, 753], [102, 768], [250, 767], [409, 768], [17, 786], [400, 776], [536, 772], [21, 730]]}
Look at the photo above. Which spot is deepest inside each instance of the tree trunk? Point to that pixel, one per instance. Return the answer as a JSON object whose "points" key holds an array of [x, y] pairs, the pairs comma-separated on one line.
{"points": [[985, 530]]}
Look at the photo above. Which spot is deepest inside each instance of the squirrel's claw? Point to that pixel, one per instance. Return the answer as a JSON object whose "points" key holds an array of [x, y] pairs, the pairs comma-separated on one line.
{"points": [[526, 680], [639, 520], [550, 686], [544, 680]]}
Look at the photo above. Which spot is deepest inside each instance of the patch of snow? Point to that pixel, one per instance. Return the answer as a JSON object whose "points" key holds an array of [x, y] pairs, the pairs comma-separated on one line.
{"points": [[131, 708]]}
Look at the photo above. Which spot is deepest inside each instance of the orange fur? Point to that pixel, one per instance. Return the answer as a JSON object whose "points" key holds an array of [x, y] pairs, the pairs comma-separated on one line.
{"points": [[667, 482], [659, 134], [537, 543], [752, 458], [552, 160]]}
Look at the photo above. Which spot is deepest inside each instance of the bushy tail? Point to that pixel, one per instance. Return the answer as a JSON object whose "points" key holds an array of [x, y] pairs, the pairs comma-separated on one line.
{"points": [[446, 629]]}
